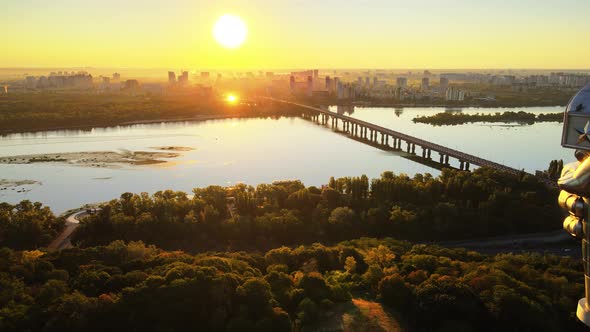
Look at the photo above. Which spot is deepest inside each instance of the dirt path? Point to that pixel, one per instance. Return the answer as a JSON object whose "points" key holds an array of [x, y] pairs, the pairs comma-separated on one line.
{"points": [[63, 240], [374, 312]]}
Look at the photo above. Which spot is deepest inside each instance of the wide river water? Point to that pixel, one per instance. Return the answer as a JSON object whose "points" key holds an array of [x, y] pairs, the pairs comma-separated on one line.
{"points": [[257, 151]]}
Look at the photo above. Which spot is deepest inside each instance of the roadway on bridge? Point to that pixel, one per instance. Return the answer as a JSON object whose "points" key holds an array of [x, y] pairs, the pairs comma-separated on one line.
{"points": [[474, 160]]}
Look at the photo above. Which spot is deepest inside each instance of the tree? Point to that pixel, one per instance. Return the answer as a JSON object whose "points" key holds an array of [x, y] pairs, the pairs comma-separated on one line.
{"points": [[350, 264], [342, 216], [395, 292]]}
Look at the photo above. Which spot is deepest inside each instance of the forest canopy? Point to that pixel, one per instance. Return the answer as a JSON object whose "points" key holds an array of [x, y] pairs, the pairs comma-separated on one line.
{"points": [[455, 205]]}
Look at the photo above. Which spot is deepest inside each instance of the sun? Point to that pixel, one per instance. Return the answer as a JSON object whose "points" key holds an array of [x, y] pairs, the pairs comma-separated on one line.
{"points": [[231, 99], [230, 31]]}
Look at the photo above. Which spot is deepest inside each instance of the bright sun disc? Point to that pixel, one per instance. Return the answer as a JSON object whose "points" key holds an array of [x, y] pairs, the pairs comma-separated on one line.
{"points": [[231, 99], [230, 31]]}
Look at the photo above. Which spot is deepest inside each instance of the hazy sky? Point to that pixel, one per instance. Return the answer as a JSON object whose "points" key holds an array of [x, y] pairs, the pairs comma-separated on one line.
{"points": [[298, 33]]}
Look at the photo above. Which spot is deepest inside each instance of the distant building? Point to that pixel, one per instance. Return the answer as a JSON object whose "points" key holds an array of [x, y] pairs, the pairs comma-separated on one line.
{"points": [[152, 88], [205, 75], [309, 86], [316, 74], [402, 82], [31, 82], [183, 78], [171, 78], [131, 85], [81, 80], [454, 94], [444, 83], [270, 74], [105, 84], [425, 83], [116, 77], [292, 83]]}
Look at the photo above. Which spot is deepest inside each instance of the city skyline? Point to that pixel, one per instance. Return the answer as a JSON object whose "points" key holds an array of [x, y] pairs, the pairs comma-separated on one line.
{"points": [[455, 34]]}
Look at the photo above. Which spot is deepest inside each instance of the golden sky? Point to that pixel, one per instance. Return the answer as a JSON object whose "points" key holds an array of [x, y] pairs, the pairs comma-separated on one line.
{"points": [[298, 34]]}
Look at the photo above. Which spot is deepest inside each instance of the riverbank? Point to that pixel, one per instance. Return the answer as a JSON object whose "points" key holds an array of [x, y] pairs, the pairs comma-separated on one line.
{"points": [[34, 112], [126, 123], [452, 119]]}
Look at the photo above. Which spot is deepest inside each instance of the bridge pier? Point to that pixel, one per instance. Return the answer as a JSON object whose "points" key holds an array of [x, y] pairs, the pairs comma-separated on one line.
{"points": [[413, 148], [446, 160], [408, 149], [467, 166], [442, 158], [461, 164]]}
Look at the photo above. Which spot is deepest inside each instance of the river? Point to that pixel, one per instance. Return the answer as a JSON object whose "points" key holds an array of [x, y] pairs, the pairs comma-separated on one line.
{"points": [[257, 151]]}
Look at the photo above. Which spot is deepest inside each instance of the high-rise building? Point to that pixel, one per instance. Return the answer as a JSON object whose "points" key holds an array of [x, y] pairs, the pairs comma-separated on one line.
{"points": [[205, 75], [116, 77], [454, 94], [131, 85], [309, 86], [339, 88], [336, 84], [106, 83], [31, 82], [292, 83], [375, 81], [367, 81], [171, 78], [316, 74], [444, 84], [329, 84], [402, 82], [183, 79], [425, 83]]}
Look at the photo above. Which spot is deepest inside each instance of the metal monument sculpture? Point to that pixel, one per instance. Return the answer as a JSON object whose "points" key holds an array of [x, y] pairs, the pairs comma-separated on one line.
{"points": [[575, 185]]}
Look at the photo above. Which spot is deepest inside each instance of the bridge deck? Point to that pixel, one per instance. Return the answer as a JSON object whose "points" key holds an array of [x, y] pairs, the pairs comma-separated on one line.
{"points": [[474, 160]]}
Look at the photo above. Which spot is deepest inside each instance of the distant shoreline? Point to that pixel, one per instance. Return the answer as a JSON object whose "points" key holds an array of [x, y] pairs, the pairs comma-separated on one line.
{"points": [[200, 118], [127, 123]]}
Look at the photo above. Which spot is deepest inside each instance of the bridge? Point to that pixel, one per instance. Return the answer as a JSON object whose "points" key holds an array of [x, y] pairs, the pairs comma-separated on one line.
{"points": [[381, 136]]}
